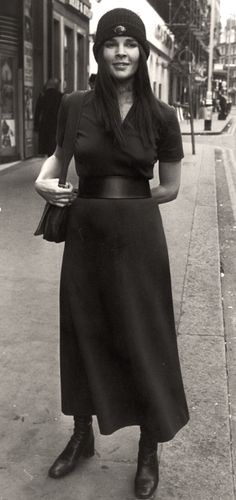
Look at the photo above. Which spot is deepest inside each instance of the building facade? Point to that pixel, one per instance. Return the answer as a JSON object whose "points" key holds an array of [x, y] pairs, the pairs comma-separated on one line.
{"points": [[39, 39], [225, 71], [189, 21]]}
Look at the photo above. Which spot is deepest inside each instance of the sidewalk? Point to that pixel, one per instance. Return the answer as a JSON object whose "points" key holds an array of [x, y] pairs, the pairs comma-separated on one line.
{"points": [[196, 465], [217, 126]]}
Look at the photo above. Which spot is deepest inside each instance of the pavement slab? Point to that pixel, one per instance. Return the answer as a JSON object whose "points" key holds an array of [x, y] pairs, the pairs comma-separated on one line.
{"points": [[178, 220], [197, 465], [107, 475], [202, 305]]}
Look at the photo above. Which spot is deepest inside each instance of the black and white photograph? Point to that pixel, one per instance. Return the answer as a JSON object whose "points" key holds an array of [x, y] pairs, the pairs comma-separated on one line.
{"points": [[117, 249]]}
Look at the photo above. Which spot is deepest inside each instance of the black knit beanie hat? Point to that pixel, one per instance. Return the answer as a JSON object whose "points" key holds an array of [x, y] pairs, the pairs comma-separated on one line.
{"points": [[120, 22]]}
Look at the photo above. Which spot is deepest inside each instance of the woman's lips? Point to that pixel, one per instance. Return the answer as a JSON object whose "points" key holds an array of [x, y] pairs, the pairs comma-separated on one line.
{"points": [[120, 65]]}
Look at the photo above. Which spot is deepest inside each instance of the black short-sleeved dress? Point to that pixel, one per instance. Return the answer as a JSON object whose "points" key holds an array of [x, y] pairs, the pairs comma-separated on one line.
{"points": [[118, 349]]}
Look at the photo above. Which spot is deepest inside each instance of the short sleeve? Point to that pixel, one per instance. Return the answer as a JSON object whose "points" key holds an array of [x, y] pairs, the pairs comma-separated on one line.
{"points": [[61, 120], [170, 147]]}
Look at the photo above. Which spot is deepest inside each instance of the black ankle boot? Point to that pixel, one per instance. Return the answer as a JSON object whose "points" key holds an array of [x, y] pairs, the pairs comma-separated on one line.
{"points": [[81, 444], [147, 475]]}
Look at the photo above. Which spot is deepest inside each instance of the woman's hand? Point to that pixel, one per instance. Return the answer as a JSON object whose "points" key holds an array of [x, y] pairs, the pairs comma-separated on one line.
{"points": [[51, 192], [46, 183], [169, 175]]}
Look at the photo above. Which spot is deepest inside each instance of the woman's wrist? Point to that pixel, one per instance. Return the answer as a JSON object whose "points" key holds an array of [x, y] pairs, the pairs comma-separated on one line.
{"points": [[164, 194]]}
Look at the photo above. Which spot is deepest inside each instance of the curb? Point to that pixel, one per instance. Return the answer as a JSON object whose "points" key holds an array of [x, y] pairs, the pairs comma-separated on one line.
{"points": [[201, 451], [224, 130], [5, 167]]}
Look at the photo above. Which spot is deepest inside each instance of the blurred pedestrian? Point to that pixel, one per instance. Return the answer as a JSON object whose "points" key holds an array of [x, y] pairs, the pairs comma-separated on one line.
{"points": [[223, 107], [45, 116], [229, 105], [119, 356], [92, 80]]}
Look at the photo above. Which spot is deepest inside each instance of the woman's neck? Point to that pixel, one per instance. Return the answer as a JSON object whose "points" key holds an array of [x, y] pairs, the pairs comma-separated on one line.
{"points": [[125, 98], [125, 92]]}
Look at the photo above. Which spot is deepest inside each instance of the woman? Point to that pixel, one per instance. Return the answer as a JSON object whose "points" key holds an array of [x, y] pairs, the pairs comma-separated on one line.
{"points": [[119, 358]]}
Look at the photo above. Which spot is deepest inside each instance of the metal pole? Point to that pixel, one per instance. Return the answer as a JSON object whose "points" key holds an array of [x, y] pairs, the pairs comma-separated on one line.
{"points": [[190, 94], [211, 48], [50, 38], [170, 11], [229, 54], [208, 111]]}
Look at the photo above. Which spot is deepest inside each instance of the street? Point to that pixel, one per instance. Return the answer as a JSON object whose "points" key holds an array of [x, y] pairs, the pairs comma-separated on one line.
{"points": [[199, 464]]}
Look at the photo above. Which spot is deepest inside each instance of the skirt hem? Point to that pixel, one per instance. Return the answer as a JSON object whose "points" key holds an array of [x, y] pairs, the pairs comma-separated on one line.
{"points": [[116, 427]]}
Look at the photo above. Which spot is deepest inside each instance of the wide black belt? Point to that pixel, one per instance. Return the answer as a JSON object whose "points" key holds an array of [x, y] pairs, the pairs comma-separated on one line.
{"points": [[114, 186]]}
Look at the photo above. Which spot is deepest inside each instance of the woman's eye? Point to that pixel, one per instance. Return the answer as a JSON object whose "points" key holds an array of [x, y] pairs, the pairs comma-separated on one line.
{"points": [[110, 44], [113, 43], [131, 43]]}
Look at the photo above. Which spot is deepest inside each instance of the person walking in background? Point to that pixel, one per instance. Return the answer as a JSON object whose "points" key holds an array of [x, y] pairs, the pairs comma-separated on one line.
{"points": [[92, 80], [37, 115], [45, 116], [223, 107], [118, 346]]}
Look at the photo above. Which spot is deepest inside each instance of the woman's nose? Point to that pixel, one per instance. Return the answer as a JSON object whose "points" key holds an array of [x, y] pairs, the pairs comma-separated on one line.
{"points": [[120, 51]]}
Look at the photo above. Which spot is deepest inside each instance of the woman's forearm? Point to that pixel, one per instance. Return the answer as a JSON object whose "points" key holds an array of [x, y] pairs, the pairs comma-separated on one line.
{"points": [[51, 168], [46, 183], [164, 194], [169, 176]]}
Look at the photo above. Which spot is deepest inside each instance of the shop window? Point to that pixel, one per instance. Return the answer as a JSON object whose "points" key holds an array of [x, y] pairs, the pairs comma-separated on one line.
{"points": [[8, 118], [68, 60], [56, 48], [81, 80]]}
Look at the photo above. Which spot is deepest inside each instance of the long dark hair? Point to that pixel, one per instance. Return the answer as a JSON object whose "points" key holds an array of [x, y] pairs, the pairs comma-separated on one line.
{"points": [[107, 106]]}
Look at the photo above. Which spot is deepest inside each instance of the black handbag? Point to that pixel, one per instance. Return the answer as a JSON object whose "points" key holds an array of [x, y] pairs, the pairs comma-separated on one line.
{"points": [[54, 220], [53, 223]]}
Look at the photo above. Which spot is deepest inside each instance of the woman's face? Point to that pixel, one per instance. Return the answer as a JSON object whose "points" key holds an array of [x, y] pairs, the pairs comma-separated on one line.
{"points": [[121, 54]]}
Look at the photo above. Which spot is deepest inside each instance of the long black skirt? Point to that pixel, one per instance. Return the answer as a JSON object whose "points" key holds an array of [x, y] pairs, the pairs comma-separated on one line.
{"points": [[118, 348]]}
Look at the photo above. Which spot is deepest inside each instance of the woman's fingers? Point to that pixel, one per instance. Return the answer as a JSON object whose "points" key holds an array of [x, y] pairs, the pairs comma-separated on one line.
{"points": [[54, 194], [54, 199], [60, 196], [60, 204], [51, 186], [60, 199]]}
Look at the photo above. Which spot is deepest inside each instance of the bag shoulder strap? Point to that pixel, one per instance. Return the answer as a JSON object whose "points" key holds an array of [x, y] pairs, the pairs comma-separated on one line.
{"points": [[73, 111]]}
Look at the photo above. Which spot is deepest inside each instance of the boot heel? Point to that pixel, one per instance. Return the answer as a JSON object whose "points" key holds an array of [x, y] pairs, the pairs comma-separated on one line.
{"points": [[89, 450]]}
